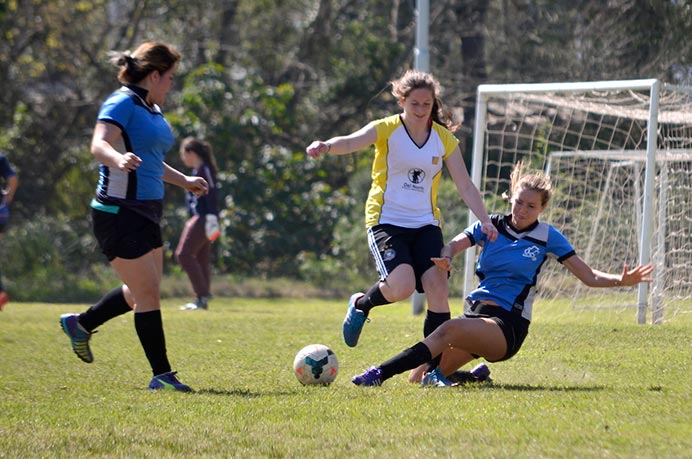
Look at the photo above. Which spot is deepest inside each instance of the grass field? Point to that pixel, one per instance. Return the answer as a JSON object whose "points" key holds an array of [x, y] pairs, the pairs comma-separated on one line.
{"points": [[587, 384]]}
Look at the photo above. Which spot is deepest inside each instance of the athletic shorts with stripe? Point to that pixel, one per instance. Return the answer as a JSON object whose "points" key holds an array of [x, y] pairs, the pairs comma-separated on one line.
{"points": [[393, 245]]}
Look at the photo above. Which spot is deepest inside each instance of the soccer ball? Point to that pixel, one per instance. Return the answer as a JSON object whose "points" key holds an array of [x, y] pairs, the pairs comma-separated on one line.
{"points": [[315, 364]]}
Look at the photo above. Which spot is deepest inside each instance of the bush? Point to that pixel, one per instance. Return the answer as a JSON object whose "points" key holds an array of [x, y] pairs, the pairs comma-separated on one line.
{"points": [[52, 259]]}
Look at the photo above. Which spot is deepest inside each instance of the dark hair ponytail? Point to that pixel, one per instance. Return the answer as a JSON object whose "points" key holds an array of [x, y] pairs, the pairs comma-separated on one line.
{"points": [[148, 57], [203, 150]]}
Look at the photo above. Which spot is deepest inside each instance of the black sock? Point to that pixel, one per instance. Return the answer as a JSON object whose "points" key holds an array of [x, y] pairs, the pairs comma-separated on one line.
{"points": [[111, 305], [149, 326], [406, 360], [372, 298], [432, 321]]}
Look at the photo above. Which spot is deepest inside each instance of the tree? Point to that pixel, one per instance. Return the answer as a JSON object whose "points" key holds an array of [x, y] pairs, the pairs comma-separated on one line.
{"points": [[260, 79]]}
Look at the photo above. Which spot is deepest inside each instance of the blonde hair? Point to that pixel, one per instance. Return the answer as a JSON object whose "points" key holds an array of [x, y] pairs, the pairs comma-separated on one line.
{"points": [[415, 79], [523, 179]]}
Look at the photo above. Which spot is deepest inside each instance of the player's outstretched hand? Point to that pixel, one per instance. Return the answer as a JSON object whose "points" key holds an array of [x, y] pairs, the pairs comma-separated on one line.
{"points": [[316, 148], [636, 275]]}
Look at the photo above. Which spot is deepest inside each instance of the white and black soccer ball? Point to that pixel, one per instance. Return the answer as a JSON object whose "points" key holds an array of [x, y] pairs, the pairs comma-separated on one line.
{"points": [[315, 364]]}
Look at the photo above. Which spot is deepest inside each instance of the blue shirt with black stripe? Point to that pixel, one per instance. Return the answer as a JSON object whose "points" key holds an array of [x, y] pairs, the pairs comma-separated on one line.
{"points": [[146, 133], [509, 267]]}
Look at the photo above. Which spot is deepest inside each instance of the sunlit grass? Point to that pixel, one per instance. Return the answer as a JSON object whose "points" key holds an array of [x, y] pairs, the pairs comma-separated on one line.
{"points": [[586, 384]]}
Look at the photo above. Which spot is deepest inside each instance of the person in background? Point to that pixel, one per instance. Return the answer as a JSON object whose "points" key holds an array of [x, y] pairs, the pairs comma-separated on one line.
{"points": [[130, 141], [500, 308], [402, 219], [194, 248], [11, 182]]}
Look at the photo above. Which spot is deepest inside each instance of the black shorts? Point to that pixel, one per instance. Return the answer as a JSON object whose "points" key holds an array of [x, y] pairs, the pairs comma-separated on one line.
{"points": [[513, 325], [392, 246], [125, 234]]}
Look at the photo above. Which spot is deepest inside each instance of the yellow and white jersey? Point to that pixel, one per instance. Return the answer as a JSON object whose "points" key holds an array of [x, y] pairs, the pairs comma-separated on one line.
{"points": [[405, 177]]}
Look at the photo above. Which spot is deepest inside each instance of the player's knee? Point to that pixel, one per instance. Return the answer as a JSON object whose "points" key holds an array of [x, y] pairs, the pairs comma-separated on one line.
{"points": [[449, 329], [397, 288]]}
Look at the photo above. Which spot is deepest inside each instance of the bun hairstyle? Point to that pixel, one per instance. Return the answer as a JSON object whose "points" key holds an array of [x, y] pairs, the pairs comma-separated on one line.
{"points": [[148, 57], [415, 79]]}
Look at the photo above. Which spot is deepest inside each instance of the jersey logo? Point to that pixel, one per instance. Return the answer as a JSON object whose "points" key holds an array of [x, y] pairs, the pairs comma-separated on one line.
{"points": [[532, 252], [416, 175]]}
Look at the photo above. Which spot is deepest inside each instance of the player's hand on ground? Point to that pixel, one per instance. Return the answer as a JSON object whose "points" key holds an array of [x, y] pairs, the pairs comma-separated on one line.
{"points": [[636, 275], [129, 162], [489, 230]]}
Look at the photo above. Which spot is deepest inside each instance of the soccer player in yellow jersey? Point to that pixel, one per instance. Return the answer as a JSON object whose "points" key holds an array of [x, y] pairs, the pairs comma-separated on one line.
{"points": [[401, 215]]}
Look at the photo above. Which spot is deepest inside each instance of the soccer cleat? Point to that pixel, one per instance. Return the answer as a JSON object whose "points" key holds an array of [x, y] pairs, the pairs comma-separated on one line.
{"points": [[4, 298], [479, 374], [201, 302], [353, 323], [78, 335], [189, 307], [435, 378], [371, 377], [168, 381]]}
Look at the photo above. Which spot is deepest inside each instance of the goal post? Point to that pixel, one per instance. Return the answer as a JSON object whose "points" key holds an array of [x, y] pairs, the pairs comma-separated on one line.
{"points": [[620, 159]]}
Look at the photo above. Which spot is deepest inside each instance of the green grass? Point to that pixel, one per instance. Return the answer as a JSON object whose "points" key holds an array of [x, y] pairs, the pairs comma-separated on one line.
{"points": [[587, 384]]}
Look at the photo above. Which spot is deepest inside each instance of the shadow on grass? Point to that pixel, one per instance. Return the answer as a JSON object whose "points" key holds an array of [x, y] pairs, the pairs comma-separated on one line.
{"points": [[243, 393], [538, 387]]}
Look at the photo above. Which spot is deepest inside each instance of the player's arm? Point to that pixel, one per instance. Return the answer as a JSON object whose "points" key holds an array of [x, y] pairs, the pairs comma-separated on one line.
{"points": [[595, 278], [106, 137], [12, 184], [469, 193], [341, 145], [458, 244], [195, 184]]}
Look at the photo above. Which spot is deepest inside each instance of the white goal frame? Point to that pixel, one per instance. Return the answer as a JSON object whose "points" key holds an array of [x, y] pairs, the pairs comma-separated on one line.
{"points": [[652, 86]]}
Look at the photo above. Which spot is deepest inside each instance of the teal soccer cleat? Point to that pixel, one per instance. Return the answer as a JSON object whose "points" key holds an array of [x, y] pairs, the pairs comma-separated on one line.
{"points": [[78, 335], [435, 378], [353, 323]]}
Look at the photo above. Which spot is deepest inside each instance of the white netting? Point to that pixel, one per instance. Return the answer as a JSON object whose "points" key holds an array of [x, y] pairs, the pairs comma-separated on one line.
{"points": [[593, 144]]}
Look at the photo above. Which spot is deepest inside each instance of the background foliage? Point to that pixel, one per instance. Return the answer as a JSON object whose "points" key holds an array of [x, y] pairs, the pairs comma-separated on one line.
{"points": [[259, 80]]}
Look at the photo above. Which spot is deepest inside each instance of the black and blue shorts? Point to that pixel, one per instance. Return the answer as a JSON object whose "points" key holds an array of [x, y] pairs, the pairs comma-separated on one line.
{"points": [[513, 325], [392, 246], [125, 233]]}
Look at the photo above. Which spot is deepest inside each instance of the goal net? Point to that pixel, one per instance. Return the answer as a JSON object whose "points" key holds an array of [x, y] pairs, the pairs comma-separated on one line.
{"points": [[620, 157]]}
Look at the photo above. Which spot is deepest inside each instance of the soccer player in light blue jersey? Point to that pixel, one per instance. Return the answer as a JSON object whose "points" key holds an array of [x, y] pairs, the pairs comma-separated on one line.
{"points": [[499, 314], [130, 141]]}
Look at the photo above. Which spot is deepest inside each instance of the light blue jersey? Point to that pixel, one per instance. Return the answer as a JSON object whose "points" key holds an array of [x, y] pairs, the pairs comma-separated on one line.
{"points": [[509, 268], [146, 133]]}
